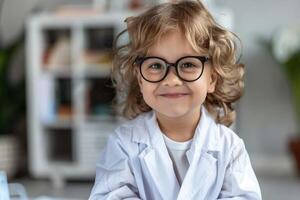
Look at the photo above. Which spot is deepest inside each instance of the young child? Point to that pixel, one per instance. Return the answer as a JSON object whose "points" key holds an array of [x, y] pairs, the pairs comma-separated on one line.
{"points": [[178, 78]]}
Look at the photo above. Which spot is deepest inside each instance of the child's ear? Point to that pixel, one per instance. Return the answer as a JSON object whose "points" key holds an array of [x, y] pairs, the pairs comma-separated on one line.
{"points": [[212, 82]]}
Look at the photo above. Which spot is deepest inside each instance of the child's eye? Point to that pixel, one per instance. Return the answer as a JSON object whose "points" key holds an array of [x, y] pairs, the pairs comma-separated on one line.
{"points": [[187, 65], [155, 66]]}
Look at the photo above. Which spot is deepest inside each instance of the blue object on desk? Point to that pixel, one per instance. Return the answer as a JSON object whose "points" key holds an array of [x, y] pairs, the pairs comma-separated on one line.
{"points": [[17, 191], [12, 191], [4, 193]]}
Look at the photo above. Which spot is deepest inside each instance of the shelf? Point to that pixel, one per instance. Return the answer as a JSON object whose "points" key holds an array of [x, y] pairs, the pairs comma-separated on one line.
{"points": [[70, 91], [98, 98], [99, 39], [56, 47], [97, 70], [59, 124], [59, 72], [60, 145]]}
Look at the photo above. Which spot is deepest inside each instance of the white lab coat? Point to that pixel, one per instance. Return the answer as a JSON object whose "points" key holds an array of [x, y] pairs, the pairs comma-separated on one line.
{"points": [[136, 165]]}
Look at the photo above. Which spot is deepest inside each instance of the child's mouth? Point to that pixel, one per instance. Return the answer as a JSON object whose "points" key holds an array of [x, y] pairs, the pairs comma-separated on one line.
{"points": [[174, 95]]}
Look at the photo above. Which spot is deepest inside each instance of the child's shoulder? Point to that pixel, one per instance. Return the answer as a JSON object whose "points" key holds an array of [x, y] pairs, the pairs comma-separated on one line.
{"points": [[137, 122], [128, 130], [219, 134], [228, 137]]}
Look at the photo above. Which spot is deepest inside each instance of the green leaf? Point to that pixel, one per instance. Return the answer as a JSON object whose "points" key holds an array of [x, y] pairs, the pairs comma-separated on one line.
{"points": [[292, 67]]}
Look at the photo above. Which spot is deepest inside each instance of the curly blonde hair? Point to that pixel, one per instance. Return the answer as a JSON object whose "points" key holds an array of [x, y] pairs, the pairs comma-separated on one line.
{"points": [[203, 34]]}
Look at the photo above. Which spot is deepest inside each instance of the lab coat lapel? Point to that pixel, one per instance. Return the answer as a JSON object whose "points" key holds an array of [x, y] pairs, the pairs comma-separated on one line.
{"points": [[202, 170], [199, 178], [156, 161]]}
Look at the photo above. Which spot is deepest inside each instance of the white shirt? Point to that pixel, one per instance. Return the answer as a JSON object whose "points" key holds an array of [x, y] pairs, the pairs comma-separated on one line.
{"points": [[135, 164], [177, 151]]}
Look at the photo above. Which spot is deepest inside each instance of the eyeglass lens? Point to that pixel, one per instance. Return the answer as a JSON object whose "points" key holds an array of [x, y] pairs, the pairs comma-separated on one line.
{"points": [[155, 69]]}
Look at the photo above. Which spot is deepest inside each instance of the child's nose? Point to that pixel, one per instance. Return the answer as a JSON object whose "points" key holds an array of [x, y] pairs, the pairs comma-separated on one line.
{"points": [[172, 79]]}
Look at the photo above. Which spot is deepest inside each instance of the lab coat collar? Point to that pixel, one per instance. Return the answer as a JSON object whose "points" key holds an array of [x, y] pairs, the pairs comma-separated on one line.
{"points": [[206, 136], [157, 162], [149, 132], [201, 158]]}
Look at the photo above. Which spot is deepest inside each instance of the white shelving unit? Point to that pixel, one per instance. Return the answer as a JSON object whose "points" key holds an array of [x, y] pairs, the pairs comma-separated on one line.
{"points": [[69, 97]]}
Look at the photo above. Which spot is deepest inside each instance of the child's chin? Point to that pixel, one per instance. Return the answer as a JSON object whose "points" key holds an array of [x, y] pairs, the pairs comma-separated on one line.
{"points": [[174, 114]]}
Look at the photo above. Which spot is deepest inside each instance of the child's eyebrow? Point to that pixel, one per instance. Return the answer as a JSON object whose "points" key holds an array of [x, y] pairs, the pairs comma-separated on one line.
{"points": [[163, 57], [155, 55]]}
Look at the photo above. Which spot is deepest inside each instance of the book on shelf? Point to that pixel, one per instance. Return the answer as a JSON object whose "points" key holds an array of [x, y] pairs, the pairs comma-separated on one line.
{"points": [[57, 52], [99, 97], [63, 93], [55, 102]]}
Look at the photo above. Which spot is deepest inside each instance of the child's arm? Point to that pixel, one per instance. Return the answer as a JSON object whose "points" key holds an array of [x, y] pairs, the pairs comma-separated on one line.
{"points": [[240, 182], [114, 178]]}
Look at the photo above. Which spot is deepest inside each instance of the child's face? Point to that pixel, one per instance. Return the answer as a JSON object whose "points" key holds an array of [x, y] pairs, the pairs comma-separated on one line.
{"points": [[173, 97]]}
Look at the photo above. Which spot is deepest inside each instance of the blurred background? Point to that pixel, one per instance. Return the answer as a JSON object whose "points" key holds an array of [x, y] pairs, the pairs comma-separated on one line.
{"points": [[55, 91]]}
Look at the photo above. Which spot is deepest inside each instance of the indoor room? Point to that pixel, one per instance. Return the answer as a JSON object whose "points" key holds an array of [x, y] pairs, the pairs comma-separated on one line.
{"points": [[61, 97]]}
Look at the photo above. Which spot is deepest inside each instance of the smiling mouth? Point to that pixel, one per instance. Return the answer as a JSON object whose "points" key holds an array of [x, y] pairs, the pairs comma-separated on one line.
{"points": [[174, 95]]}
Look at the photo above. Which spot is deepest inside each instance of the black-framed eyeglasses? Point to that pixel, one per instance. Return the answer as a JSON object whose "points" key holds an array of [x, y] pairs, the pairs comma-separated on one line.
{"points": [[155, 69]]}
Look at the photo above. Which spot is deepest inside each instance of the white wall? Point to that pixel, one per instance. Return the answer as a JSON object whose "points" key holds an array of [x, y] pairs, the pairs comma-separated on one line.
{"points": [[14, 13], [266, 117]]}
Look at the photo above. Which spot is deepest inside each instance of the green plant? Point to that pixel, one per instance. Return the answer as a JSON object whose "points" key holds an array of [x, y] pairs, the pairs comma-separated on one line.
{"points": [[285, 48], [12, 93]]}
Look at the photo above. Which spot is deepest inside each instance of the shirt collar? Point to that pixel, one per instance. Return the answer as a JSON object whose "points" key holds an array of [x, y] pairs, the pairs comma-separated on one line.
{"points": [[206, 134]]}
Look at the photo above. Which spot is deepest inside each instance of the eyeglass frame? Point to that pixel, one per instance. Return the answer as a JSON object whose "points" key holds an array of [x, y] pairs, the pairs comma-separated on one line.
{"points": [[140, 60]]}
